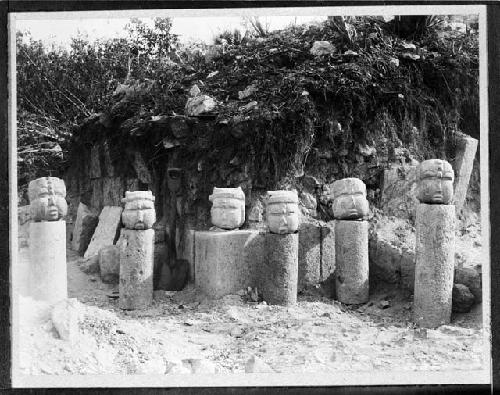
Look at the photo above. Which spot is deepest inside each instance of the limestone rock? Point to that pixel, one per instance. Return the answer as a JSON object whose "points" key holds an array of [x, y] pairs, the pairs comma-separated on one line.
{"points": [[65, 317], [107, 230], [471, 278], [200, 104], [85, 224], [322, 48], [399, 191], [462, 299], [109, 264], [257, 365]]}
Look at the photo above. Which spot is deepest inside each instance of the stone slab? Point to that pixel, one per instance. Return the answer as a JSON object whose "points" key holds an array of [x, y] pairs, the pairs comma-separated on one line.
{"points": [[463, 164], [85, 224], [106, 232], [309, 255], [227, 261]]}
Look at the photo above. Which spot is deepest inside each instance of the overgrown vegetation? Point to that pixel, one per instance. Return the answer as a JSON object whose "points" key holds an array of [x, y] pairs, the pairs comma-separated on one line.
{"points": [[381, 94]]}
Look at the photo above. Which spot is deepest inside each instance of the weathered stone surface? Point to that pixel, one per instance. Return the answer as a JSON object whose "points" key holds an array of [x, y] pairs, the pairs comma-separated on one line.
{"points": [[47, 199], [464, 162], [95, 162], [23, 215], [327, 250], [349, 199], [65, 316], [435, 257], [200, 104], [322, 48], [136, 269], [257, 365], [141, 169], [109, 264], [435, 182], [89, 265], [462, 299], [228, 207], [385, 260], [112, 191], [309, 255], [48, 280], [282, 211], [227, 261], [351, 261], [85, 224], [279, 274], [399, 191], [107, 230], [139, 212], [472, 279]]}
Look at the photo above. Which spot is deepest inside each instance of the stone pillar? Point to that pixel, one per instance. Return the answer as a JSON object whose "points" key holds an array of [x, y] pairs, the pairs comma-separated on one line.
{"points": [[435, 258], [351, 261], [48, 281], [279, 275], [136, 268], [465, 154]]}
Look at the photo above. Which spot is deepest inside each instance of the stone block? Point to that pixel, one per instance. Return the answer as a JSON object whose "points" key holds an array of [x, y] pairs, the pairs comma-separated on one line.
{"points": [[136, 269], [464, 162], [352, 265], [327, 250], [399, 191], [434, 267], [279, 273], [309, 255], [109, 264], [85, 224], [385, 260], [227, 261], [48, 279], [107, 230], [472, 279]]}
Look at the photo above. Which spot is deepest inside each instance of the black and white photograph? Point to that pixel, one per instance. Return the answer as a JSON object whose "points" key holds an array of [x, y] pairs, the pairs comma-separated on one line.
{"points": [[258, 196]]}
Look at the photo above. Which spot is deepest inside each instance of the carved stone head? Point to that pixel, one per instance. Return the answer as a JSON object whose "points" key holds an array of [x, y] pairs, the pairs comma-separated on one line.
{"points": [[349, 199], [47, 199], [139, 212], [435, 182], [282, 211], [228, 207]]}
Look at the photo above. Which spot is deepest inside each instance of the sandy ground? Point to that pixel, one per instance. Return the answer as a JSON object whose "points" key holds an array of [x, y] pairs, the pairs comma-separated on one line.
{"points": [[183, 332]]}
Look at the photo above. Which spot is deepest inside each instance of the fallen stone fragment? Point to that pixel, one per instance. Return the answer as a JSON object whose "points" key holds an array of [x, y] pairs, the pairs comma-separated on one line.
{"points": [[471, 278], [322, 48], [462, 299], [65, 316], [200, 104], [257, 365], [384, 304], [107, 230], [85, 224]]}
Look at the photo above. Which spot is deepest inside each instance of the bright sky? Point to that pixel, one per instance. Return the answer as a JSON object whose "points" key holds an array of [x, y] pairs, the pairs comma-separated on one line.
{"points": [[60, 31]]}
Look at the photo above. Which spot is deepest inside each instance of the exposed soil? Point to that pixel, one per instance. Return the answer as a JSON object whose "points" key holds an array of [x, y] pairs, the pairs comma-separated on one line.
{"points": [[184, 329]]}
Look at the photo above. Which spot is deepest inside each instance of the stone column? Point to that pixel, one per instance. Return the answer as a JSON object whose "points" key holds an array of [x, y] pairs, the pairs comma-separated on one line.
{"points": [[48, 280], [435, 259], [279, 275], [435, 244], [350, 208], [136, 269], [137, 251], [351, 260]]}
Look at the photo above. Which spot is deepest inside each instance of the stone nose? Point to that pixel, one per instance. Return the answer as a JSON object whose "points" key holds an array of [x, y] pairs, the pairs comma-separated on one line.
{"points": [[140, 215], [283, 221]]}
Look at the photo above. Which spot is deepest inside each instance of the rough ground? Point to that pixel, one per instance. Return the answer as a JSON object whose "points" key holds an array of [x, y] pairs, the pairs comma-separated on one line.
{"points": [[183, 332]]}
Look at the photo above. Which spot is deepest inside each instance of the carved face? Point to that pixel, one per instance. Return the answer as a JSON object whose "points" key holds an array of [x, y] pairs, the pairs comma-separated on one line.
{"points": [[139, 212], [349, 199], [228, 208], [435, 182], [282, 212], [47, 199]]}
